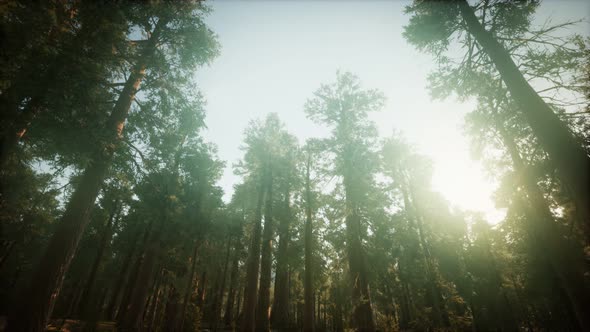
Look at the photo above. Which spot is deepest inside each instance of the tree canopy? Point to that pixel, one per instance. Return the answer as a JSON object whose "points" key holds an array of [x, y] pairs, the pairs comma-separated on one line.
{"points": [[112, 209]]}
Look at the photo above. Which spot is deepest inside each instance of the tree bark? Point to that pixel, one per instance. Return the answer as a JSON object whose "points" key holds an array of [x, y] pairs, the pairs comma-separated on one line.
{"points": [[7, 250], [280, 308], [308, 322], [263, 308], [189, 285], [112, 306], [218, 304], [105, 239], [565, 151], [229, 317], [441, 317], [132, 319], [37, 304], [134, 273], [564, 260], [361, 298], [252, 265], [156, 301]]}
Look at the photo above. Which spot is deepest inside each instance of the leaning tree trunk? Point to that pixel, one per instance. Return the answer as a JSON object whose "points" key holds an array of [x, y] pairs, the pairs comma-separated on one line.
{"points": [[566, 153], [252, 264], [40, 297], [308, 322], [280, 308], [263, 308], [564, 260]]}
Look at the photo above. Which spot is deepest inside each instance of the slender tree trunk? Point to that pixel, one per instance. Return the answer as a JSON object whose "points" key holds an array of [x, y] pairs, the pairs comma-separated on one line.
{"points": [[308, 322], [214, 298], [280, 308], [152, 293], [134, 276], [189, 285], [318, 317], [263, 308], [406, 314], [361, 299], [104, 241], [564, 150], [505, 314], [441, 317], [171, 310], [202, 291], [37, 304], [252, 265], [132, 318], [156, 301], [118, 286], [562, 256], [239, 299], [218, 304], [232, 289], [6, 252]]}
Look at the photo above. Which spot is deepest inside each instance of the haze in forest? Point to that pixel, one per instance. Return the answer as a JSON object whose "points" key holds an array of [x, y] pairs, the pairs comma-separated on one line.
{"points": [[294, 166], [273, 52]]}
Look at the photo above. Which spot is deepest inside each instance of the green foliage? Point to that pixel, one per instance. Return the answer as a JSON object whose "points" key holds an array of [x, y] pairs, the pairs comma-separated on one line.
{"points": [[376, 219]]}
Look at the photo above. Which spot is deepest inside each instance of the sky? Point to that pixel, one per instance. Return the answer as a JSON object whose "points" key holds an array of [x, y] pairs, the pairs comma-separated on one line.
{"points": [[275, 54]]}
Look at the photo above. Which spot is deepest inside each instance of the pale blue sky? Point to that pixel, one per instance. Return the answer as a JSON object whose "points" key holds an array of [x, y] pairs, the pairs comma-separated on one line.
{"points": [[275, 54]]}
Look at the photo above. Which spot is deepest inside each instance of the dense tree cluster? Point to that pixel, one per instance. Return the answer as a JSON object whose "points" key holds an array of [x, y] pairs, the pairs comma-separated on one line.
{"points": [[111, 215]]}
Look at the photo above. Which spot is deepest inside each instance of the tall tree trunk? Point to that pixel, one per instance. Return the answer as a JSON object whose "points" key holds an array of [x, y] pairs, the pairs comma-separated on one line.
{"points": [[239, 299], [308, 322], [263, 308], [37, 304], [189, 285], [214, 298], [252, 265], [118, 285], [564, 259], [280, 308], [441, 318], [565, 151], [361, 298], [134, 273], [229, 317], [202, 291], [503, 308], [6, 251], [218, 304], [406, 313], [171, 311], [104, 241], [132, 318], [156, 301]]}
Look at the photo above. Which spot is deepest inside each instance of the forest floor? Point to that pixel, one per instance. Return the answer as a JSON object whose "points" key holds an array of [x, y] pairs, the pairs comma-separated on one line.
{"points": [[72, 325]]}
